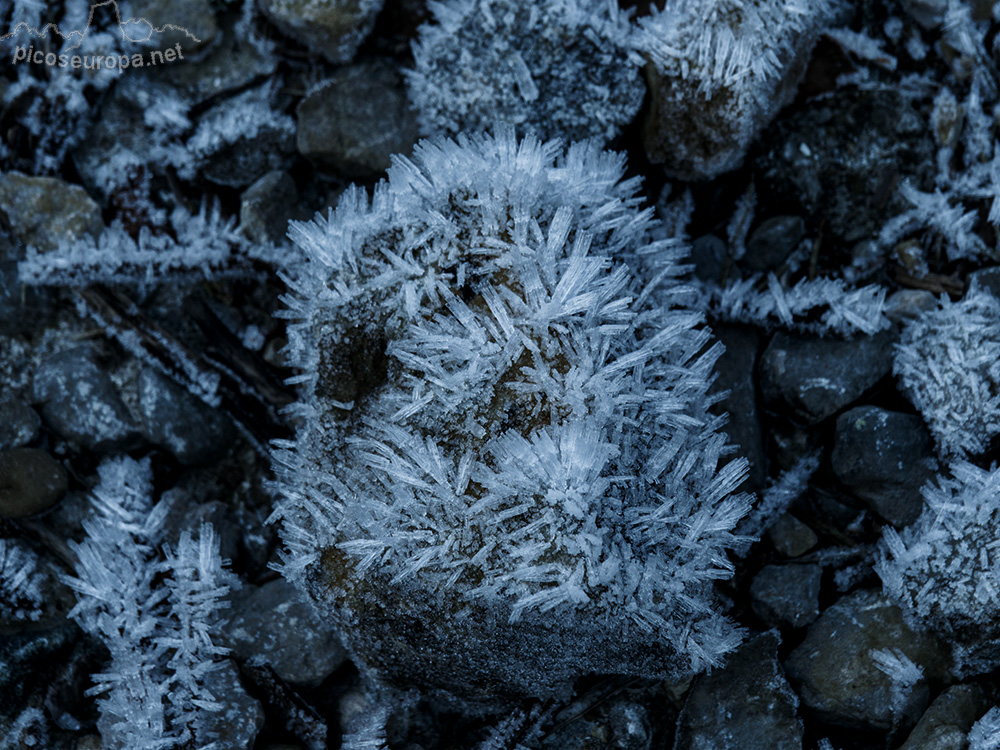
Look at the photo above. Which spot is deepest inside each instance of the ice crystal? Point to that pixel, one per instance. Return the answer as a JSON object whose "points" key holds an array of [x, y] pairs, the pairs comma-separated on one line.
{"points": [[985, 734], [820, 306], [948, 364], [944, 570], [156, 614], [20, 581], [557, 68], [723, 68], [506, 434]]}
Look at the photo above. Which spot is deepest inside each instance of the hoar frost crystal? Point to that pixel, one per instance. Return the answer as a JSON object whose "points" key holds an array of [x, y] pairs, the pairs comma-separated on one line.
{"points": [[506, 473]]}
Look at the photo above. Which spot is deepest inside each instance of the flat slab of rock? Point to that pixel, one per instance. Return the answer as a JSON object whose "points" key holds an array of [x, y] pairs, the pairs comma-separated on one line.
{"points": [[44, 212], [786, 595], [945, 725], [815, 378]]}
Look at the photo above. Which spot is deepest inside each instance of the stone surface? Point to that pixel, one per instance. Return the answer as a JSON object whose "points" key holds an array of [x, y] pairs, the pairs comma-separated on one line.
{"points": [[791, 537], [273, 623], [27, 660], [906, 304], [816, 378], [747, 704], [174, 419], [773, 241], [354, 121], [786, 595], [196, 17], [241, 718], [79, 402], [839, 680], [949, 718], [735, 370], [43, 212], [19, 423], [985, 280], [31, 482], [885, 458], [708, 254], [332, 29], [267, 205]]}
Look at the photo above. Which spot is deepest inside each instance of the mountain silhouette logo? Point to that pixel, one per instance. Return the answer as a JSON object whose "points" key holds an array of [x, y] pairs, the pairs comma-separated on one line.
{"points": [[135, 30]]}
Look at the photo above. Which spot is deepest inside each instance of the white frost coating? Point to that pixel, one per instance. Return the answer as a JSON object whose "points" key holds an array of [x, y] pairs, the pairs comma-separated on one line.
{"points": [[156, 616], [723, 70], [20, 581], [903, 675], [820, 306], [985, 733], [508, 405], [948, 364], [555, 68], [944, 570]]}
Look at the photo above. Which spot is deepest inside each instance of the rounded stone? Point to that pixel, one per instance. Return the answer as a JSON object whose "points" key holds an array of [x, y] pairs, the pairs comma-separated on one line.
{"points": [[31, 482]]}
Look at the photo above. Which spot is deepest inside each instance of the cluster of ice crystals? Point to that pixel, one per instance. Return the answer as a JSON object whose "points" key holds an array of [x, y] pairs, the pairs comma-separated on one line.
{"points": [[948, 363], [723, 70], [156, 613], [556, 68], [20, 581], [944, 570], [506, 404]]}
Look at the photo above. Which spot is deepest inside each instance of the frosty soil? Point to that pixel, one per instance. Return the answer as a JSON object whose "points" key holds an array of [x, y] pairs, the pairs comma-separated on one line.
{"points": [[94, 62]]}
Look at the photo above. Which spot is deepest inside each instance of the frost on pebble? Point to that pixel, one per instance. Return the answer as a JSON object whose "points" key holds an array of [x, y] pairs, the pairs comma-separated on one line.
{"points": [[944, 570], [333, 28], [507, 475], [719, 70], [948, 364], [555, 68], [20, 582]]}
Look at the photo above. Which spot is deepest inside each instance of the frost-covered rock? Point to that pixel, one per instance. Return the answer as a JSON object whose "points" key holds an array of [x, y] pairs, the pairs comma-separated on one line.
{"points": [[942, 571], [948, 364], [555, 68], [719, 70], [506, 475]]}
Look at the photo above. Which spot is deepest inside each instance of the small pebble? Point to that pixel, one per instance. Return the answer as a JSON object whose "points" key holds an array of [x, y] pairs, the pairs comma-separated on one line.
{"points": [[31, 482]]}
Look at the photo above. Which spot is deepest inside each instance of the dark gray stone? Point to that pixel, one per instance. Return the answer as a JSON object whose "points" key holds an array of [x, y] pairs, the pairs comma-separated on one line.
{"points": [[31, 482], [331, 29], [266, 207], [773, 241], [177, 421], [236, 725], [907, 304], [196, 17], [19, 423], [79, 402], [786, 595], [885, 458], [708, 254], [45, 212], [791, 537], [273, 623], [747, 704], [816, 378], [27, 660], [357, 119], [946, 723], [735, 370], [839, 679]]}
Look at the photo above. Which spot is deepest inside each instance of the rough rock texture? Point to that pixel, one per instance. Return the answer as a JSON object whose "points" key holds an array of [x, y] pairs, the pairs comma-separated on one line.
{"points": [[815, 378], [266, 206], [354, 121], [949, 718], [747, 704], [79, 402], [837, 676], [786, 595], [791, 537], [274, 623], [333, 29], [174, 419], [773, 241], [31, 481], [43, 212], [19, 423], [885, 458]]}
